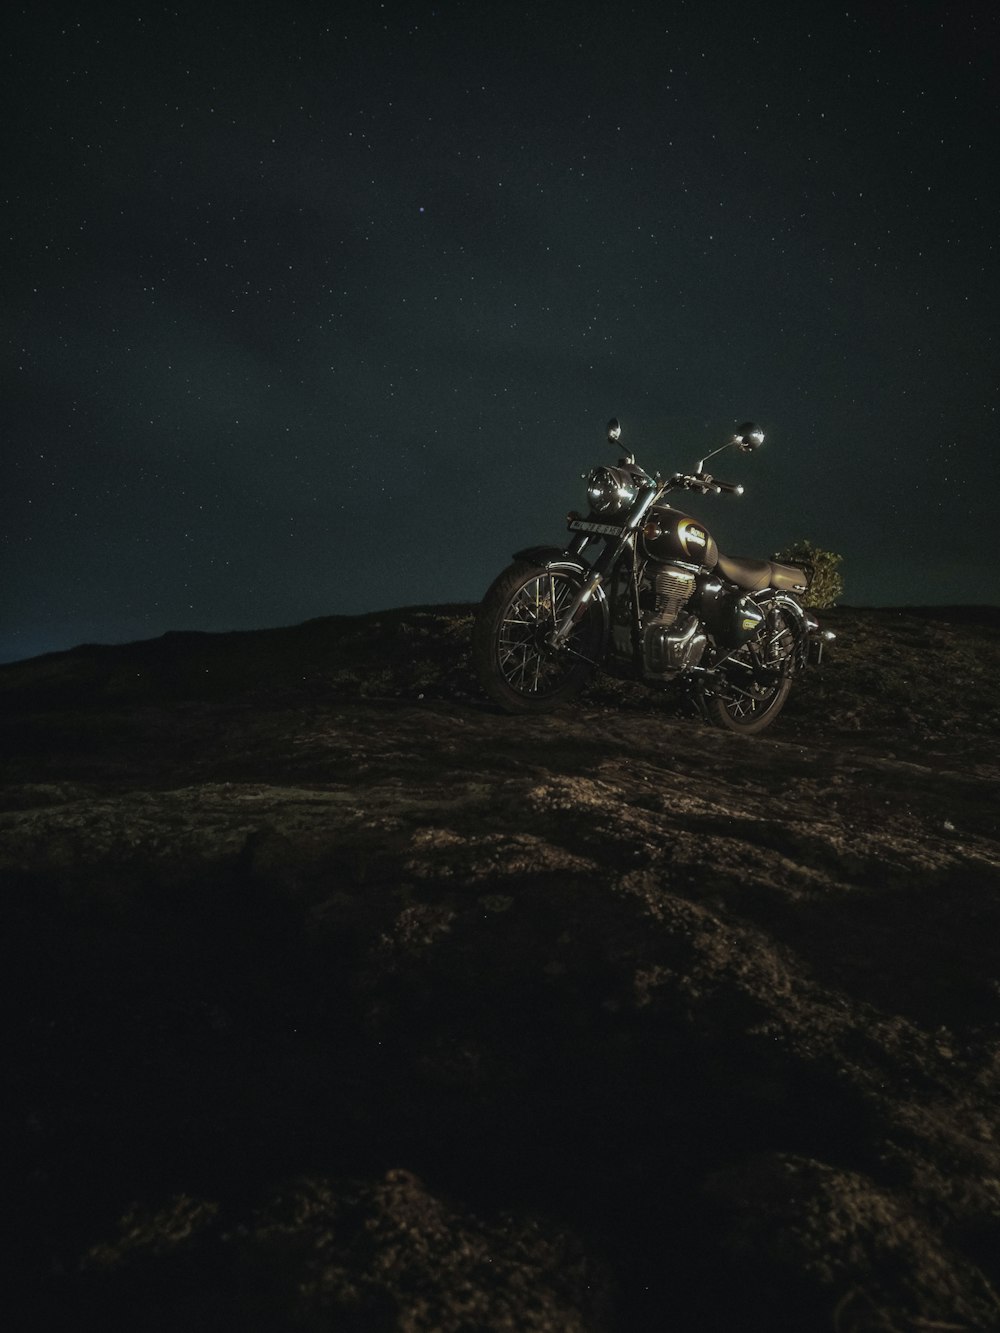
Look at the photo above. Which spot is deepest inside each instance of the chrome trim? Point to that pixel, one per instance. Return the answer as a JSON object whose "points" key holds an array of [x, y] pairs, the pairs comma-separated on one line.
{"points": [[801, 617], [591, 585], [611, 490], [641, 510], [790, 604]]}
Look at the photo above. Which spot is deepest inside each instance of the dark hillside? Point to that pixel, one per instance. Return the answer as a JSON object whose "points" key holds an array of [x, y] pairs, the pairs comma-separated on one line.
{"points": [[342, 1001]]}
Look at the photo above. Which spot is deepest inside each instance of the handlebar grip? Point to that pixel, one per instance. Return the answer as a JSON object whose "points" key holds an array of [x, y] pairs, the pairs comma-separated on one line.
{"points": [[728, 487]]}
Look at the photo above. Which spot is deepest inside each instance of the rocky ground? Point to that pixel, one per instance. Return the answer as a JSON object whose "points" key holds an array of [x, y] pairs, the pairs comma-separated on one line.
{"points": [[339, 1000]]}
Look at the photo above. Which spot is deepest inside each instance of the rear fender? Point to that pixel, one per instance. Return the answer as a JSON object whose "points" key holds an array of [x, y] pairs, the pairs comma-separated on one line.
{"points": [[805, 624]]}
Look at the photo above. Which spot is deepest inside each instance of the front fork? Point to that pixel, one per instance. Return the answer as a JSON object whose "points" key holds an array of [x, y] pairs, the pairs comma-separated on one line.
{"points": [[557, 639], [605, 563]]}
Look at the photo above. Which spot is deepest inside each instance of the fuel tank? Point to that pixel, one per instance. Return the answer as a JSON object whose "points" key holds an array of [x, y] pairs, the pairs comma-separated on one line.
{"points": [[670, 535]]}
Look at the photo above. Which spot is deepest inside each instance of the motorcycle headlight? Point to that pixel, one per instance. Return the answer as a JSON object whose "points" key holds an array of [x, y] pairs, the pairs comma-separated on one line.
{"points": [[610, 491]]}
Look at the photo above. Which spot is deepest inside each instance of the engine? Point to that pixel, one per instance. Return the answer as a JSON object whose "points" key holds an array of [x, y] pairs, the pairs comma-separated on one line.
{"points": [[673, 588], [671, 637]]}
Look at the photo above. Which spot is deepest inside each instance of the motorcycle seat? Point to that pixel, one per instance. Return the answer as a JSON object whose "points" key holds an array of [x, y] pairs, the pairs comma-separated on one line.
{"points": [[789, 578], [756, 575]]}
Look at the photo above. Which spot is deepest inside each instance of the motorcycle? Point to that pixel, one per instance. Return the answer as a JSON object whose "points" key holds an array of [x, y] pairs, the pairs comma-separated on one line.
{"points": [[659, 604]]}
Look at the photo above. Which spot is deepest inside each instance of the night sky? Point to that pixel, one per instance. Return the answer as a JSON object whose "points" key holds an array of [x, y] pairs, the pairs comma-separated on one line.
{"points": [[321, 309]]}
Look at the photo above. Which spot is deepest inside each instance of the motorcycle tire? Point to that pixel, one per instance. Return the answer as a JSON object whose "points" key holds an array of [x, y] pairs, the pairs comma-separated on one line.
{"points": [[753, 704], [514, 665]]}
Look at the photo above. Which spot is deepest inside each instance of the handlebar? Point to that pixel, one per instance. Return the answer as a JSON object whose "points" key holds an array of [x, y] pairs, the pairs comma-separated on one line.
{"points": [[704, 481]]}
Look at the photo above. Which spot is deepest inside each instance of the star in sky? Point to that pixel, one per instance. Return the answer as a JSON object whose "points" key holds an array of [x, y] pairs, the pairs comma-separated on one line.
{"points": [[245, 389]]}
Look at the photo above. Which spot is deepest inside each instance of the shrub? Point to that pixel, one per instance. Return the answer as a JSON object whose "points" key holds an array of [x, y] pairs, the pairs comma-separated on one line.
{"points": [[827, 583]]}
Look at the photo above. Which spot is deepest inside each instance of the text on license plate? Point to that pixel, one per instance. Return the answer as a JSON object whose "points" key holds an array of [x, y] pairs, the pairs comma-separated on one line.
{"points": [[603, 529]]}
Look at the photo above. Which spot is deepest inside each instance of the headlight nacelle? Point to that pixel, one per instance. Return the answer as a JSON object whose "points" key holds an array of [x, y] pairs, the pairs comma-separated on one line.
{"points": [[611, 491]]}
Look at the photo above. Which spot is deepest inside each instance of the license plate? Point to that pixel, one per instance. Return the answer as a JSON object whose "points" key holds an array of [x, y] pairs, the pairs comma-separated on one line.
{"points": [[602, 529]]}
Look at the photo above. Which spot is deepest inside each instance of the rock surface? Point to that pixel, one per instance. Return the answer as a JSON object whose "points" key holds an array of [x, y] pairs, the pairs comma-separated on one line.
{"points": [[343, 1001]]}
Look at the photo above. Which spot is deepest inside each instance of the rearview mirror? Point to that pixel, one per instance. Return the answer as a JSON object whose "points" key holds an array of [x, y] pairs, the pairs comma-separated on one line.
{"points": [[749, 437]]}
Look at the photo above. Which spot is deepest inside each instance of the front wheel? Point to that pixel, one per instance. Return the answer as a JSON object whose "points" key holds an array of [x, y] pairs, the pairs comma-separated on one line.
{"points": [[515, 665], [758, 678]]}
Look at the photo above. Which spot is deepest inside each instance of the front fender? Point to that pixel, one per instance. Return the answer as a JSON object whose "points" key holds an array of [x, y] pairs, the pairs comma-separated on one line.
{"points": [[552, 557]]}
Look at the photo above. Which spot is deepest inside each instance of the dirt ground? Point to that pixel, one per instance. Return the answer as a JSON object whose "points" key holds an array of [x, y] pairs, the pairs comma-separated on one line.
{"points": [[339, 1000]]}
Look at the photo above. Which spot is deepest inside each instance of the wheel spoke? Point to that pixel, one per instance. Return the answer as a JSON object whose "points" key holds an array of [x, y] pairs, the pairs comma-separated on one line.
{"points": [[769, 654], [524, 658]]}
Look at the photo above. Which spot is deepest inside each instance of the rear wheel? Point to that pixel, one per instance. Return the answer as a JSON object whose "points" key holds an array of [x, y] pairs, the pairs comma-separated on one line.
{"points": [[515, 665], [758, 678]]}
